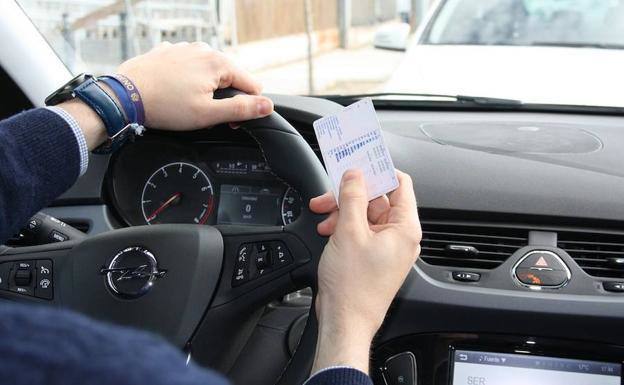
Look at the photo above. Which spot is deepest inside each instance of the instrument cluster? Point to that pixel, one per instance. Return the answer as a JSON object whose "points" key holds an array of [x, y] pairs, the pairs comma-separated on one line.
{"points": [[155, 181]]}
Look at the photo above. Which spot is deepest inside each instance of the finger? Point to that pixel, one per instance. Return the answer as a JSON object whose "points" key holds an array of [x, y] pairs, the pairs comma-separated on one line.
{"points": [[378, 209], [328, 225], [233, 76], [402, 200], [239, 108], [353, 202], [324, 204], [234, 126]]}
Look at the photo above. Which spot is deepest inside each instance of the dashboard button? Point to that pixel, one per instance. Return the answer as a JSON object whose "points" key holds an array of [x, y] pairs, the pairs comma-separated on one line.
{"points": [[466, 276], [542, 261], [57, 236], [542, 277], [44, 286], [614, 287], [263, 259], [241, 266], [282, 254], [541, 268], [400, 369], [23, 277]]}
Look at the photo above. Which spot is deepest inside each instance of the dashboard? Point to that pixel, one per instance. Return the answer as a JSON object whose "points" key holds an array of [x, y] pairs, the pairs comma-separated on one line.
{"points": [[164, 180]]}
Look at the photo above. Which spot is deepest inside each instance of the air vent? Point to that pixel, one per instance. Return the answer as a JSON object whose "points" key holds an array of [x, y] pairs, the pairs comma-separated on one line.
{"points": [[599, 254], [482, 246]]}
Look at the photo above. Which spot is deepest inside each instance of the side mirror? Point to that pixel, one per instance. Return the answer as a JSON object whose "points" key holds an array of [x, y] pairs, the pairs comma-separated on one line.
{"points": [[392, 37]]}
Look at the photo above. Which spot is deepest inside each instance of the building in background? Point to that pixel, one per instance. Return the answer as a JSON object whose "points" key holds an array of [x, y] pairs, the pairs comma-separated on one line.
{"points": [[97, 35]]}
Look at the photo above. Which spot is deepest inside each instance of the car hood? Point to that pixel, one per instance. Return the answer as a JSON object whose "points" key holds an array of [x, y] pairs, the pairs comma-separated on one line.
{"points": [[549, 75]]}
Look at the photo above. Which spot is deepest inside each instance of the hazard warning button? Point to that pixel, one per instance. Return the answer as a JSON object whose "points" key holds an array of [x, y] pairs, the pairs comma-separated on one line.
{"points": [[541, 268]]}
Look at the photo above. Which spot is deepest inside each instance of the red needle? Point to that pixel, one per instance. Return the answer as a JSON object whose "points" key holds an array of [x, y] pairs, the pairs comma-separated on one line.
{"points": [[163, 206]]}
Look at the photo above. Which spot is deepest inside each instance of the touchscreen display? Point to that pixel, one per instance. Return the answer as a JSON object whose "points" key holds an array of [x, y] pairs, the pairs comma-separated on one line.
{"points": [[485, 368], [249, 205]]}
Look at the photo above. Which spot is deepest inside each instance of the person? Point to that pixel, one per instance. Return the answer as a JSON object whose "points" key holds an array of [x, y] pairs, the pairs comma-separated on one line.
{"points": [[372, 245]]}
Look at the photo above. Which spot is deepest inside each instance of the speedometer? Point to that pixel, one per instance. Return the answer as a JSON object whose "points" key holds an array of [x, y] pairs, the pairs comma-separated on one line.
{"points": [[177, 193]]}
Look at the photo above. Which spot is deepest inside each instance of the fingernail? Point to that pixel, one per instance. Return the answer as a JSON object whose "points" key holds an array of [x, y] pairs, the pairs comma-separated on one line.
{"points": [[264, 107], [350, 175]]}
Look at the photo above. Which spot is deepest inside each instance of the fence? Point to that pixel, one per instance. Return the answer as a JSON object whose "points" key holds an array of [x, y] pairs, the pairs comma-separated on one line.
{"points": [[265, 19]]}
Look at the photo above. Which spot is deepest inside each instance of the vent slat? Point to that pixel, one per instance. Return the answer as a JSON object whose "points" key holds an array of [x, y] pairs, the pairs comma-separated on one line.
{"points": [[494, 244], [596, 244], [478, 236], [593, 251], [456, 242]]}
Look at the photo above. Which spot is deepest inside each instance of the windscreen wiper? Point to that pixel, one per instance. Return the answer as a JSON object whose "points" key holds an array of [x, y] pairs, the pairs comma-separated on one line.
{"points": [[436, 98]]}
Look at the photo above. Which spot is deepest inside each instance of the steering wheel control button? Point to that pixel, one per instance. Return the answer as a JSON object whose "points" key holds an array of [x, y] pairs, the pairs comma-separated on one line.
{"points": [[255, 260], [263, 256], [614, 287], [23, 277], [57, 236], [44, 287], [241, 267], [132, 272], [541, 269], [282, 254], [400, 369], [466, 276]]}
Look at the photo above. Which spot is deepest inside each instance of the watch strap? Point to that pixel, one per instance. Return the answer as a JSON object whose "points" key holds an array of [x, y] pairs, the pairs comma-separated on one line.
{"points": [[95, 97]]}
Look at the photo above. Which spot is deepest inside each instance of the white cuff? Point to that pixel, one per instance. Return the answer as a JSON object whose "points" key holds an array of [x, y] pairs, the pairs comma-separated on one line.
{"points": [[82, 142]]}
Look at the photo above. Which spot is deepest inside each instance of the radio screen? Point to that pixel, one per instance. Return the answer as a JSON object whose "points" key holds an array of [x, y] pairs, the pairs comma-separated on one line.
{"points": [[248, 205], [484, 368]]}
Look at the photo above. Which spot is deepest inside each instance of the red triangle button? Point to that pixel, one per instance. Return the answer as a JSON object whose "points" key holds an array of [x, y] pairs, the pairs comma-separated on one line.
{"points": [[541, 262]]}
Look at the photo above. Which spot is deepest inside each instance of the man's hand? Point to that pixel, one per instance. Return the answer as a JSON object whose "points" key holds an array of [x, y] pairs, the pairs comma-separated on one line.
{"points": [[372, 247], [177, 84]]}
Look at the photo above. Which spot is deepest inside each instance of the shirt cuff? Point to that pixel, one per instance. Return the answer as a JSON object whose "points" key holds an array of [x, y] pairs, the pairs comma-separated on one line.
{"points": [[321, 371], [80, 138]]}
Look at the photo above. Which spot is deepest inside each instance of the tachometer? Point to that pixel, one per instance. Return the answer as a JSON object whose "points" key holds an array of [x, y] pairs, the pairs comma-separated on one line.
{"points": [[177, 193], [291, 206]]}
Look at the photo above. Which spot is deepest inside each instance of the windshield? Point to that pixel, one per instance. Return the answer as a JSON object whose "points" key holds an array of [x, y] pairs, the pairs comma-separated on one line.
{"points": [[577, 23], [535, 51]]}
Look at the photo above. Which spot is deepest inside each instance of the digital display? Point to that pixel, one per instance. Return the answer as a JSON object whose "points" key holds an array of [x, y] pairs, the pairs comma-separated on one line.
{"points": [[486, 368], [249, 205]]}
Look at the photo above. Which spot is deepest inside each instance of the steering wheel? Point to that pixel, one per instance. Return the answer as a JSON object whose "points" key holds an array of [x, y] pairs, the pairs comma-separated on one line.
{"points": [[197, 285]]}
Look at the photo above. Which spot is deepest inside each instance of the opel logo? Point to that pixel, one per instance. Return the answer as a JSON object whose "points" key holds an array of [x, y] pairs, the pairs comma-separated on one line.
{"points": [[132, 272]]}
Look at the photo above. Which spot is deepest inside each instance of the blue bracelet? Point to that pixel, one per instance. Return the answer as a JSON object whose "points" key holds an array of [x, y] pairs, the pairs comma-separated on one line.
{"points": [[124, 99]]}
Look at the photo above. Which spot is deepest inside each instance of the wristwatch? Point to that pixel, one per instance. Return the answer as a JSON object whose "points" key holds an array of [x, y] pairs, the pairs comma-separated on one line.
{"points": [[86, 88]]}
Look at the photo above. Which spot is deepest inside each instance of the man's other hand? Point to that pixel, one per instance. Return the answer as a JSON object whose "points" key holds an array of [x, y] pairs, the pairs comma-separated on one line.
{"points": [[371, 249], [177, 83]]}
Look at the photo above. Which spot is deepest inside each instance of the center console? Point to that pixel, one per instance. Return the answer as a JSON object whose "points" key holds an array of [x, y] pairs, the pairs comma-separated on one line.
{"points": [[488, 359]]}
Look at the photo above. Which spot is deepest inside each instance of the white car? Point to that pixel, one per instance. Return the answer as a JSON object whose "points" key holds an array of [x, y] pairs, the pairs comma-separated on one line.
{"points": [[533, 51]]}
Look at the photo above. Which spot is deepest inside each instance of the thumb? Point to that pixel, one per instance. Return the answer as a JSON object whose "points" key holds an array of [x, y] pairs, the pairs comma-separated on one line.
{"points": [[353, 201], [240, 108]]}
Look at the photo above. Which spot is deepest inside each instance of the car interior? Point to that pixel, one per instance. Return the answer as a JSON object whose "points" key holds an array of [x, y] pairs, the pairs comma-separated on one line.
{"points": [[521, 207]]}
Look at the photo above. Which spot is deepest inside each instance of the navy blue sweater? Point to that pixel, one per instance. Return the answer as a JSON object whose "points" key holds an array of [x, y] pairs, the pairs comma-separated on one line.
{"points": [[39, 160]]}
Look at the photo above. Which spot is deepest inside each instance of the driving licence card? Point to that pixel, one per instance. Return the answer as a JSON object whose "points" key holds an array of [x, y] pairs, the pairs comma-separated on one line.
{"points": [[352, 139]]}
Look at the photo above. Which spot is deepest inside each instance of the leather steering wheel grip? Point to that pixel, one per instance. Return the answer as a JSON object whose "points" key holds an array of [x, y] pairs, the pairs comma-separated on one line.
{"points": [[293, 161]]}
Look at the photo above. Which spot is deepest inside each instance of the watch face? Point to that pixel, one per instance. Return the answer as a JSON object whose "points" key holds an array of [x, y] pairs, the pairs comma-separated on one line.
{"points": [[65, 92]]}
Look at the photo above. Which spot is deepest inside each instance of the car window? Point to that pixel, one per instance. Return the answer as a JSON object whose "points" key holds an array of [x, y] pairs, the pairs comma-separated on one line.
{"points": [[530, 22], [268, 38]]}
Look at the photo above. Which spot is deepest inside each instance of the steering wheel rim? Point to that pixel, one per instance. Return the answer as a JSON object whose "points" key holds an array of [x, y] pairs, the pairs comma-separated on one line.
{"points": [[264, 132]]}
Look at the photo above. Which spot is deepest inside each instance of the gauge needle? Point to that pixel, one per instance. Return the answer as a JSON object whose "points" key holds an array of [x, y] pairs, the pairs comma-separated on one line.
{"points": [[164, 206]]}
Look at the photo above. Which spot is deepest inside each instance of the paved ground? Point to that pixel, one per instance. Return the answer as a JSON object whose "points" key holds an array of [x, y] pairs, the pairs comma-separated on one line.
{"points": [[359, 70]]}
